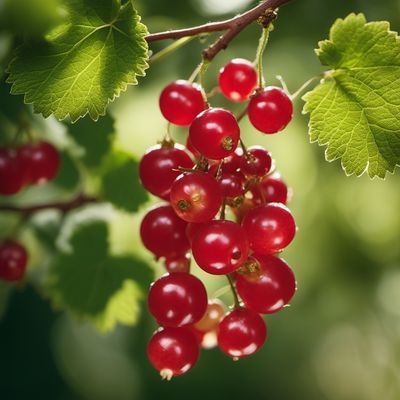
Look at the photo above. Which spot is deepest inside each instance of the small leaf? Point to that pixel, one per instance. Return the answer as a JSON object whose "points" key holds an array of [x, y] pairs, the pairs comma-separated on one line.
{"points": [[120, 183], [355, 111], [84, 63], [93, 284]]}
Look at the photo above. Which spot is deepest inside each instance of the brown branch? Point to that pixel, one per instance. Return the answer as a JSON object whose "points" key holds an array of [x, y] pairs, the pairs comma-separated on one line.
{"points": [[64, 207], [232, 26]]}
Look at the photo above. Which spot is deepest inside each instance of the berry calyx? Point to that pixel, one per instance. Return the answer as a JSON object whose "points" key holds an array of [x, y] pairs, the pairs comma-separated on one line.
{"points": [[220, 247], [212, 317], [269, 228], [215, 133], [241, 333], [270, 110], [196, 197], [163, 232], [269, 288], [158, 168], [256, 163], [177, 299], [181, 101], [237, 79], [173, 351], [13, 260], [13, 171]]}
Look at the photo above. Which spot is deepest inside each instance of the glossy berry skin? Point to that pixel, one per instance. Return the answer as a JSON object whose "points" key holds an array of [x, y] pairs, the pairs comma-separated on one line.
{"points": [[181, 101], [270, 110], [177, 263], [215, 133], [241, 333], [196, 197], [270, 228], [191, 148], [13, 260], [173, 351], [158, 168], [220, 247], [271, 189], [12, 172], [212, 317], [257, 162], [231, 184], [177, 299], [43, 161], [232, 162], [237, 79], [270, 288], [163, 232]]}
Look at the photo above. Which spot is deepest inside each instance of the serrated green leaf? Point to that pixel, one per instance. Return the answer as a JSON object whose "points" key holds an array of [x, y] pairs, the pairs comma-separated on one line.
{"points": [[83, 64], [93, 284], [355, 111], [120, 182]]}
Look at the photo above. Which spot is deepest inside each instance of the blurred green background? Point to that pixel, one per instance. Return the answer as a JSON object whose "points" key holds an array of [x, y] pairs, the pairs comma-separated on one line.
{"points": [[339, 340]]}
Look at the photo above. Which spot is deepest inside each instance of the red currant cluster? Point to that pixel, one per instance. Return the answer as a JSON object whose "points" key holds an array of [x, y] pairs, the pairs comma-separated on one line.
{"points": [[30, 164], [254, 223]]}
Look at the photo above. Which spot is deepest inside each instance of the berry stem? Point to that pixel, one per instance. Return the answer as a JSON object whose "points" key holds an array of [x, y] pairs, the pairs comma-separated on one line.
{"points": [[260, 51], [233, 289], [166, 51], [306, 84]]}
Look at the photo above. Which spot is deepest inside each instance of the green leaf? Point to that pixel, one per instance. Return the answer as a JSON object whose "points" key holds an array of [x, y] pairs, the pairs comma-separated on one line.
{"points": [[68, 176], [355, 111], [120, 183], [84, 63], [92, 283], [94, 137]]}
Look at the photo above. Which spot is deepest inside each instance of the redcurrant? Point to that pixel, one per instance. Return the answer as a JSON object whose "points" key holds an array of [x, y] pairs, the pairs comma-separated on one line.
{"points": [[177, 263], [212, 317], [271, 189], [13, 171], [256, 163], [231, 184], [13, 260]]}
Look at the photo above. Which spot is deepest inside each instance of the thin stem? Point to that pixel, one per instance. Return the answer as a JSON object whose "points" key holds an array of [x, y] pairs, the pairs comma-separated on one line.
{"points": [[194, 74], [241, 114], [259, 54], [283, 83], [223, 209], [244, 148], [306, 84], [235, 295], [170, 49]]}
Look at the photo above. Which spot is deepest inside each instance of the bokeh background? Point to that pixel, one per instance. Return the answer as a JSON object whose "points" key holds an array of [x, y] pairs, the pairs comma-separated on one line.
{"points": [[339, 339]]}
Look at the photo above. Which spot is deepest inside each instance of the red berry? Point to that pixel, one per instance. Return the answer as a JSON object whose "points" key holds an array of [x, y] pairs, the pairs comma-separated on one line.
{"points": [[232, 162], [177, 263], [270, 110], [271, 189], [158, 168], [13, 171], [270, 228], [192, 229], [13, 260], [241, 333], [173, 351], [163, 232], [231, 184], [177, 299], [212, 317], [220, 247], [215, 133], [43, 160], [181, 101], [237, 79], [190, 147], [196, 197], [270, 287], [256, 163]]}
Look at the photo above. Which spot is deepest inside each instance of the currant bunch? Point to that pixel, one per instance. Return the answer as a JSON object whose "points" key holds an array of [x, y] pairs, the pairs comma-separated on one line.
{"points": [[225, 207], [33, 163]]}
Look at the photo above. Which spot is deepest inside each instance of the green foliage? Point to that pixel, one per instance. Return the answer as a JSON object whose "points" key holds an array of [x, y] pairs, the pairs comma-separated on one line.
{"points": [[68, 176], [84, 63], [92, 283], [120, 182], [355, 111]]}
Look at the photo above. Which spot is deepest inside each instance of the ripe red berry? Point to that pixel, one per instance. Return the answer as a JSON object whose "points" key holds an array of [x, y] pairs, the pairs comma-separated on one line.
{"points": [[231, 184], [43, 160], [163, 232], [181, 101], [158, 168], [177, 263], [271, 189], [173, 351], [215, 133], [270, 228], [237, 79], [220, 247], [241, 333], [270, 287], [212, 317], [177, 299], [232, 162], [196, 197], [13, 260], [256, 163], [191, 148], [12, 171], [270, 110]]}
